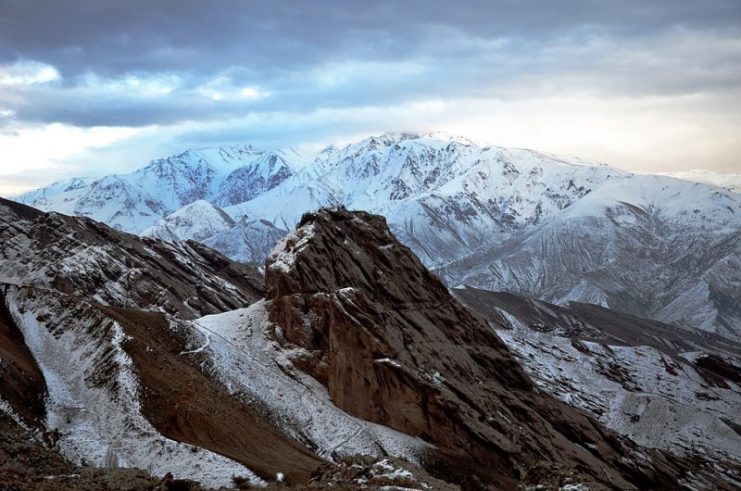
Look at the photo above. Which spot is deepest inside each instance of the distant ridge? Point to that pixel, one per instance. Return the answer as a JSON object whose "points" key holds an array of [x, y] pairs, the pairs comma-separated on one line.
{"points": [[555, 228]]}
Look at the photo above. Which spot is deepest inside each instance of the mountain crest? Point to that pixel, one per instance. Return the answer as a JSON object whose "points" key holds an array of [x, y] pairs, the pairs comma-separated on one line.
{"points": [[359, 312], [554, 228]]}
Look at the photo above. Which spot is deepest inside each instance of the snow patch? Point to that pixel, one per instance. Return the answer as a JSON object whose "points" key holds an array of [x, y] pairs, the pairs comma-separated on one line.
{"points": [[284, 254]]}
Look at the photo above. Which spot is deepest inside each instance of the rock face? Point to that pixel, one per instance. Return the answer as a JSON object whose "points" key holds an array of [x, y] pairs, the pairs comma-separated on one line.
{"points": [[23, 384], [392, 346], [81, 256]]}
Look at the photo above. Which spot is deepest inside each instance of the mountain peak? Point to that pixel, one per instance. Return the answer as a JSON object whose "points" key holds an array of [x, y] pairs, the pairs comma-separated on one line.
{"points": [[392, 138], [361, 314], [198, 220]]}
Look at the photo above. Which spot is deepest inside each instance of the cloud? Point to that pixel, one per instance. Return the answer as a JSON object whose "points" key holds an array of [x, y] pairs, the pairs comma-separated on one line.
{"points": [[677, 62], [192, 61], [26, 150], [118, 37], [27, 73]]}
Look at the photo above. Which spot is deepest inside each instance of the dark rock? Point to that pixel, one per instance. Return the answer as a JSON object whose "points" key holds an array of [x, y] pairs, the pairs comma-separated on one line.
{"points": [[392, 346]]}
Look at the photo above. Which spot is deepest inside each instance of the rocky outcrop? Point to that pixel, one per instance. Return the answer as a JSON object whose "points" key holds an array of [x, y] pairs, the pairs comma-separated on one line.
{"points": [[81, 256], [364, 472], [392, 346]]}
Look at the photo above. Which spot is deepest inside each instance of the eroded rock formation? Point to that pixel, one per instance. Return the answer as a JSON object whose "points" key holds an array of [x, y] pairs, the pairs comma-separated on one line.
{"points": [[392, 346]]}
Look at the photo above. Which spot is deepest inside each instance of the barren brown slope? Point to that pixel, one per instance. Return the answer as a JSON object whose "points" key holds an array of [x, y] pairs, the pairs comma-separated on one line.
{"points": [[21, 381], [392, 346], [184, 404]]}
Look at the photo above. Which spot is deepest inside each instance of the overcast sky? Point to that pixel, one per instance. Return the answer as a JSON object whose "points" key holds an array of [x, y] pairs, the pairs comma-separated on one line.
{"points": [[92, 87]]}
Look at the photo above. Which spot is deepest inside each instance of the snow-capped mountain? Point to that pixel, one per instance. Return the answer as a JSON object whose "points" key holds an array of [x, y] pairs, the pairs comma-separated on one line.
{"points": [[731, 182], [198, 220], [263, 173], [54, 189], [242, 240], [447, 197], [663, 249], [133, 202], [554, 228]]}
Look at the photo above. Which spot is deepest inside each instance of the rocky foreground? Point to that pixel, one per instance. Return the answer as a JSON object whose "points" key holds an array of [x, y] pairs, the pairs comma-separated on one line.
{"points": [[357, 369]]}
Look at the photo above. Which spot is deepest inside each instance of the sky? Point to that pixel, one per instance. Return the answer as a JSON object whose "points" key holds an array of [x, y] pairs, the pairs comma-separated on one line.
{"points": [[91, 87]]}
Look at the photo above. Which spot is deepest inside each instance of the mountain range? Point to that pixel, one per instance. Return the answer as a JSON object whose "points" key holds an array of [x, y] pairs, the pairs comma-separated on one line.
{"points": [[347, 364], [553, 228]]}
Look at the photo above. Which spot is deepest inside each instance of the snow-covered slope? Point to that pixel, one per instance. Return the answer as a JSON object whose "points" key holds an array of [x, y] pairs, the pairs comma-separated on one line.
{"points": [[251, 365], [731, 182], [133, 202], [263, 173], [661, 387], [663, 249], [242, 240], [55, 188], [198, 221], [509, 219], [247, 240], [94, 392], [77, 255]]}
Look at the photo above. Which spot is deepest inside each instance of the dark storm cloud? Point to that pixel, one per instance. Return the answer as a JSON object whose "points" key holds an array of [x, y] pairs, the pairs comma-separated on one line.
{"points": [[307, 55], [116, 37]]}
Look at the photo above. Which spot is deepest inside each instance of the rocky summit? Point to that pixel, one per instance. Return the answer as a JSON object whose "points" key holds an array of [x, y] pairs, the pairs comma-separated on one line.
{"points": [[393, 346]]}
